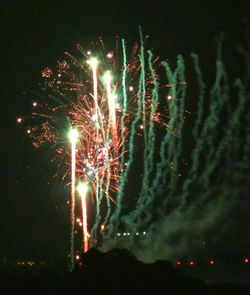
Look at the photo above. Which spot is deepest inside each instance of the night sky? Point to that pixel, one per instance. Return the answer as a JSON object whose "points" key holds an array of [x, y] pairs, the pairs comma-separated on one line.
{"points": [[34, 215]]}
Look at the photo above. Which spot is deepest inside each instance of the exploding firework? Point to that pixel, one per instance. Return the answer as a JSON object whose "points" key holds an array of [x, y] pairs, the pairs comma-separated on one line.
{"points": [[102, 103], [130, 147]]}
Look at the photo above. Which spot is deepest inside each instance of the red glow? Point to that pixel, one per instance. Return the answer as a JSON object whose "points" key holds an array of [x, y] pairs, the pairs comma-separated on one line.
{"points": [[178, 263], [191, 263], [246, 260], [212, 262]]}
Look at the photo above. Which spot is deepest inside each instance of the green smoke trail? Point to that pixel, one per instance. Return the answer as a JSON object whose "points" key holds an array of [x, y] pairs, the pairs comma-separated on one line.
{"points": [[213, 141], [228, 139], [124, 88], [168, 142], [200, 104], [177, 140], [124, 110], [220, 95], [206, 137], [114, 222], [143, 202], [149, 149]]}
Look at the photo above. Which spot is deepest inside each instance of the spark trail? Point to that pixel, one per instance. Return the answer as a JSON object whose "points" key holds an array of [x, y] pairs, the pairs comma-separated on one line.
{"points": [[82, 189]]}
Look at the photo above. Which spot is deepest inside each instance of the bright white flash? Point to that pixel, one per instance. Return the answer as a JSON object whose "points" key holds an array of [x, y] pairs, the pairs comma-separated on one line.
{"points": [[73, 135]]}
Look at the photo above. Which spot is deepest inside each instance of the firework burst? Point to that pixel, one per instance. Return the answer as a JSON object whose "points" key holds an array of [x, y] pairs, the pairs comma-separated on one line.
{"points": [[99, 100]]}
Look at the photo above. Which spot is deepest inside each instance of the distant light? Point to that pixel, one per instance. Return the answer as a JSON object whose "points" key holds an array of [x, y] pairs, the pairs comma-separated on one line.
{"points": [[80, 223], [128, 234], [212, 262], [178, 263], [102, 227], [78, 220], [88, 52], [19, 120], [131, 88], [144, 232], [77, 257], [246, 260], [118, 234], [73, 135], [110, 55], [191, 263], [28, 131], [124, 234], [34, 104], [169, 97], [137, 234], [141, 126]]}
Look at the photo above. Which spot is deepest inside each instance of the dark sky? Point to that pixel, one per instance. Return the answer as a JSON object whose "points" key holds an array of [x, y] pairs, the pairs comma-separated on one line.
{"points": [[33, 210]]}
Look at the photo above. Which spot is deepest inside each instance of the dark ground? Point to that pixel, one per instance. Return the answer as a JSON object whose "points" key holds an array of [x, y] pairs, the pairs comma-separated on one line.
{"points": [[115, 272]]}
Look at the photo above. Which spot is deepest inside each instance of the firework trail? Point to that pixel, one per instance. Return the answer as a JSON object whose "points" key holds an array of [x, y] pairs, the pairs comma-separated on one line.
{"points": [[73, 139], [82, 189]]}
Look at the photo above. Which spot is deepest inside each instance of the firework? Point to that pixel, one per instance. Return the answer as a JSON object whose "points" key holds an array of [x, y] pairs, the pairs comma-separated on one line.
{"points": [[130, 122]]}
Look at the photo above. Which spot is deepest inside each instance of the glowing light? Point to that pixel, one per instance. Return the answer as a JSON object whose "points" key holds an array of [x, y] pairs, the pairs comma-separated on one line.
{"points": [[178, 263], [93, 62], [34, 104], [107, 78], [131, 88], [28, 131], [246, 260], [19, 120], [169, 97], [110, 55], [191, 263], [78, 220], [77, 257], [212, 262], [89, 52], [82, 189], [73, 136]]}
